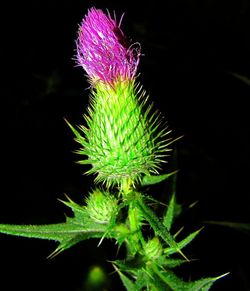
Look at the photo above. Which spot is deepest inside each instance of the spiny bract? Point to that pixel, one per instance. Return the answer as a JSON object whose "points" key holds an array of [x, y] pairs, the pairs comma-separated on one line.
{"points": [[121, 140]]}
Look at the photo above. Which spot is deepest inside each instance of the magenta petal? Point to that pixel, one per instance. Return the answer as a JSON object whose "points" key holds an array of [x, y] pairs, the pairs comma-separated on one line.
{"points": [[102, 49]]}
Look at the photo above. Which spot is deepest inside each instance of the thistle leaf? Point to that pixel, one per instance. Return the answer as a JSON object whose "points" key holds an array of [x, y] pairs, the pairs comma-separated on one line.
{"points": [[169, 216], [148, 281], [157, 226], [128, 283], [79, 227], [203, 284], [183, 243], [143, 279], [67, 234], [170, 279], [175, 283], [131, 265], [154, 179], [169, 262], [57, 232]]}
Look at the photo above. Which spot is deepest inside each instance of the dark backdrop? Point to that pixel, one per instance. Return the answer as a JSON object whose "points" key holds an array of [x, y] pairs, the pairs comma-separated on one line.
{"points": [[196, 68]]}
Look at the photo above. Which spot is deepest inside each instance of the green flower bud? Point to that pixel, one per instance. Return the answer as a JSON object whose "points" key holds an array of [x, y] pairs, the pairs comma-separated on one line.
{"points": [[153, 249], [101, 206], [120, 139]]}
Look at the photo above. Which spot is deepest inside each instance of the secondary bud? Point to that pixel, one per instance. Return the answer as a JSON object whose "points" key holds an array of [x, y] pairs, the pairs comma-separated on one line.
{"points": [[153, 249], [101, 206]]}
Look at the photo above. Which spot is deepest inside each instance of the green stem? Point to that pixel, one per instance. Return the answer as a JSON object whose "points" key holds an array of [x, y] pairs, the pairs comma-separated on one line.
{"points": [[133, 225], [136, 240], [134, 217], [126, 187]]}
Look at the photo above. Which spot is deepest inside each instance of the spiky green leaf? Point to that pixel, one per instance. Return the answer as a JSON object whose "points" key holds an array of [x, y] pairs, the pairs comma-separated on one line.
{"points": [[142, 279], [131, 265], [148, 180], [75, 229], [128, 283], [146, 280], [58, 232], [203, 284], [67, 234], [156, 224], [177, 284], [169, 262], [169, 216], [182, 243]]}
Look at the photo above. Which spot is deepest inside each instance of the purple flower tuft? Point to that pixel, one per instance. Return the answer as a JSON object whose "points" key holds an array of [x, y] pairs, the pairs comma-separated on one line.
{"points": [[103, 51]]}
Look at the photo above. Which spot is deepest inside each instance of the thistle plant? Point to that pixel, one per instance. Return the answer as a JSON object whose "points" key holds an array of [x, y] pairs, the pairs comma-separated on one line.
{"points": [[124, 141]]}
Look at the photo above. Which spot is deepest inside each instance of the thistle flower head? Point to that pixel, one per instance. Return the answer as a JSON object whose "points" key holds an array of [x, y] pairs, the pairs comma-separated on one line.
{"points": [[122, 139], [103, 50]]}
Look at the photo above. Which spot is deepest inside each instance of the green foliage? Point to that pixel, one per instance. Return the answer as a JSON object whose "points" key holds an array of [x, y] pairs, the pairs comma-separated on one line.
{"points": [[148, 180], [74, 230], [170, 213], [175, 283], [152, 276], [180, 245], [122, 215], [156, 224], [128, 283], [149, 262], [203, 284]]}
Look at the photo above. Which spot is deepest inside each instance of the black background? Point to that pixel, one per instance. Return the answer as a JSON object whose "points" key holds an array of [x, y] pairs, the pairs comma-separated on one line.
{"points": [[191, 51]]}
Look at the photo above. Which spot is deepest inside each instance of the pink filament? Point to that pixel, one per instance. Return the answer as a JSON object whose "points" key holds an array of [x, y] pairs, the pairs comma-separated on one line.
{"points": [[102, 49]]}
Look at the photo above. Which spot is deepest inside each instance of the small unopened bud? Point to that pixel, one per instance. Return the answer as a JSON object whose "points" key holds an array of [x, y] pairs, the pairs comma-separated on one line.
{"points": [[153, 249], [101, 206]]}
